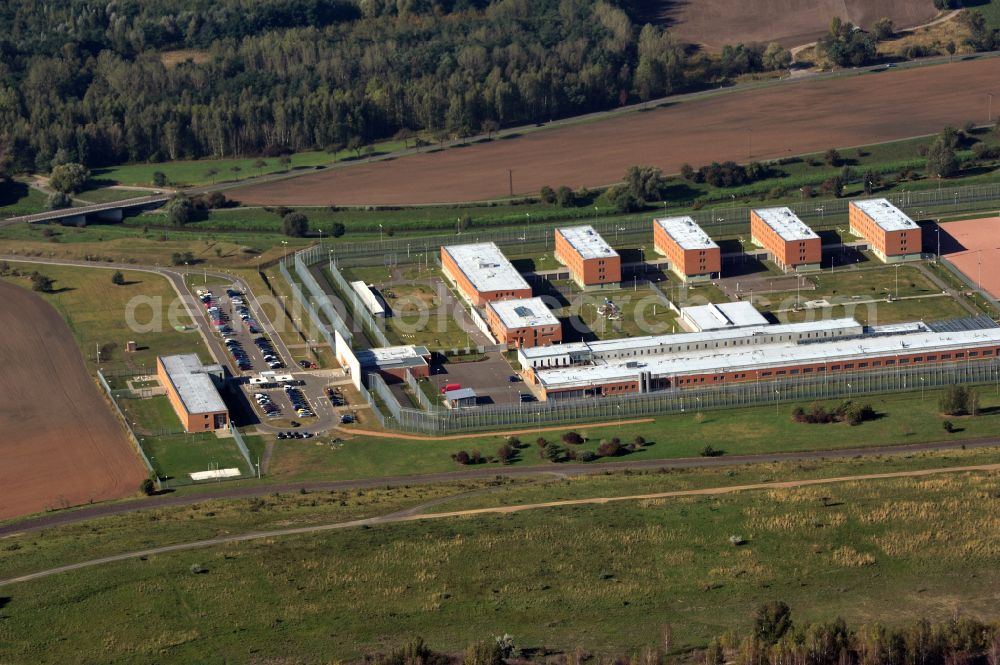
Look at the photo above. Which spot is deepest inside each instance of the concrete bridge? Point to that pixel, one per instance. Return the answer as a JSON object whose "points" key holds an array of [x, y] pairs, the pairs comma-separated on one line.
{"points": [[106, 212]]}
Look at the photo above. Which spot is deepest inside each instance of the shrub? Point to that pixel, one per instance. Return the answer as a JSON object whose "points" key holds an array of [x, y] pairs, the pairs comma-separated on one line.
{"points": [[948, 426], [709, 451], [586, 456], [572, 438], [505, 454], [41, 283], [58, 201], [736, 541], [118, 278], [959, 401], [147, 487], [612, 448], [639, 441], [553, 452], [295, 224], [461, 457], [547, 195], [513, 442]]}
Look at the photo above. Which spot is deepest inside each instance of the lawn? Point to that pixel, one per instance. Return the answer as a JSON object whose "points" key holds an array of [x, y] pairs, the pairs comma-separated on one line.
{"points": [[903, 418], [642, 312], [17, 198], [98, 314], [604, 579], [877, 313], [151, 416], [174, 456]]}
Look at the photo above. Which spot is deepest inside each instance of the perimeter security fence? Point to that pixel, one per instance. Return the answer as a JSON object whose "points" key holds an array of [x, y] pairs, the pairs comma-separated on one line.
{"points": [[520, 240], [431, 418]]}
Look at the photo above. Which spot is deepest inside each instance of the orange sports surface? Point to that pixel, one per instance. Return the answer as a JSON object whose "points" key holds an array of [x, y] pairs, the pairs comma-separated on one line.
{"points": [[60, 445], [769, 123], [973, 246]]}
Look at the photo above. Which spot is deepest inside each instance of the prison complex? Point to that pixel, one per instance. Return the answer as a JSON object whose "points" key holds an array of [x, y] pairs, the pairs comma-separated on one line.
{"points": [[482, 273], [590, 259], [192, 389], [522, 323], [692, 254], [894, 237], [793, 245], [642, 365]]}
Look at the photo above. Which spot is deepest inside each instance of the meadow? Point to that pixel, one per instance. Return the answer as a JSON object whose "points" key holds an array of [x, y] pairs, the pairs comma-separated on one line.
{"points": [[96, 311], [605, 579]]}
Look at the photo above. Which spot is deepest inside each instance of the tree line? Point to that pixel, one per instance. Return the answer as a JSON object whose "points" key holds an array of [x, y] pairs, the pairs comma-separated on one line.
{"points": [[88, 83], [773, 639]]}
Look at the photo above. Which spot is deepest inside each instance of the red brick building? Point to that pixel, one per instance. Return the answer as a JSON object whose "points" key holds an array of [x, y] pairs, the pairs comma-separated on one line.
{"points": [[894, 237], [693, 255], [793, 245], [523, 323], [591, 261], [482, 273]]}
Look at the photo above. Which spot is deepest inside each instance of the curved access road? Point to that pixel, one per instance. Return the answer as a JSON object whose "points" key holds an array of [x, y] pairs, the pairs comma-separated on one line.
{"points": [[55, 519], [418, 514]]}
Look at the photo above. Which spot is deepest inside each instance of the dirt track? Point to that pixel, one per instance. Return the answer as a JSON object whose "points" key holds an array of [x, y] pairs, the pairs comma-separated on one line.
{"points": [[715, 23], [419, 514], [809, 116], [60, 445]]}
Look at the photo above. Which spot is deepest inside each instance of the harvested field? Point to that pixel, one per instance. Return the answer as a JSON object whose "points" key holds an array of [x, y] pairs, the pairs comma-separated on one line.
{"points": [[972, 245], [769, 123], [60, 445], [715, 23]]}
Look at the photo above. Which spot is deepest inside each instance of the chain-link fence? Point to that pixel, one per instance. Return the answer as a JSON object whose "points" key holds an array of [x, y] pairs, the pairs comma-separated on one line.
{"points": [[372, 327], [128, 428], [439, 420], [822, 213]]}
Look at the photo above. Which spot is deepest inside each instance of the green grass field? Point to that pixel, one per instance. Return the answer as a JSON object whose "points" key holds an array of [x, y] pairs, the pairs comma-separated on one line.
{"points": [[600, 578], [903, 418], [97, 312]]}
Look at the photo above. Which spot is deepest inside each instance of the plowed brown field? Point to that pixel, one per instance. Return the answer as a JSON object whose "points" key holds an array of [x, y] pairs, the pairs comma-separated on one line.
{"points": [[60, 445], [715, 23], [810, 116]]}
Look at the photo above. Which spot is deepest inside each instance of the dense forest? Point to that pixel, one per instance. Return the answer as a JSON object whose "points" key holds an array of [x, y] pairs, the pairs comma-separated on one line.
{"points": [[103, 83]]}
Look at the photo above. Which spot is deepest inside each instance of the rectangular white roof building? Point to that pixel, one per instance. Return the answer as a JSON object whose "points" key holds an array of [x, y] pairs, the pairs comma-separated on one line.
{"points": [[368, 298], [656, 345], [523, 313], [587, 242], [887, 216], [772, 357], [786, 224], [486, 267], [193, 384], [722, 316], [686, 233]]}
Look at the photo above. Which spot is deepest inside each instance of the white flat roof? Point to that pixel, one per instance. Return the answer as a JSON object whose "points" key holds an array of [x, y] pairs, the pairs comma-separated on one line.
{"points": [[389, 355], [193, 385], [786, 224], [765, 357], [524, 313], [368, 297], [486, 267], [844, 326], [686, 233], [723, 316], [587, 242], [886, 215]]}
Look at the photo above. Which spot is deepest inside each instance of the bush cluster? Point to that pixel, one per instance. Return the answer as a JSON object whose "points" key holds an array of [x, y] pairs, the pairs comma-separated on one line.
{"points": [[853, 413]]}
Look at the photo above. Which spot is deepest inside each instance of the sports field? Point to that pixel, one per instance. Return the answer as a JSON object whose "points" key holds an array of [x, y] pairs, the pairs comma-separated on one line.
{"points": [[716, 23], [973, 245], [759, 124], [59, 442]]}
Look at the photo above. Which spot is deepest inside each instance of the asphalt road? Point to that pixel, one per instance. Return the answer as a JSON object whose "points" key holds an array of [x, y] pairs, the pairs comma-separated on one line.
{"points": [[74, 516]]}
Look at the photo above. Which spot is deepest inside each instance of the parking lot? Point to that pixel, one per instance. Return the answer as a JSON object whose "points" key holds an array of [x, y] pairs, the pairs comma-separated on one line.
{"points": [[242, 336]]}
